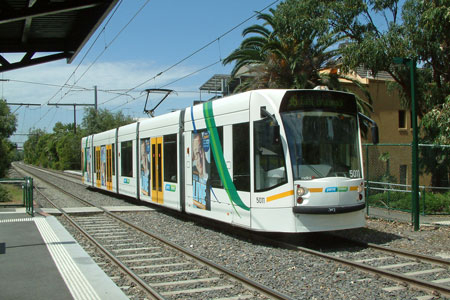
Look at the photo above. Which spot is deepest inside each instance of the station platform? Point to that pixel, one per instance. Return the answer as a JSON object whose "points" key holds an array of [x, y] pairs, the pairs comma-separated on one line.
{"points": [[39, 259]]}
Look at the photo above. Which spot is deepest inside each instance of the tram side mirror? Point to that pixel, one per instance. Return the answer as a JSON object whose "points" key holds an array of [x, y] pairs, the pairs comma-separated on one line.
{"points": [[373, 126], [375, 136], [276, 134]]}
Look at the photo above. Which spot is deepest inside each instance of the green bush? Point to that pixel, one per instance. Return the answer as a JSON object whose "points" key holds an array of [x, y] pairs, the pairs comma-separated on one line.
{"points": [[4, 195], [435, 203]]}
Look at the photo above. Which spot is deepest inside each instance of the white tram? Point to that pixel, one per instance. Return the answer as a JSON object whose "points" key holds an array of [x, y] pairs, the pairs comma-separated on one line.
{"points": [[265, 160]]}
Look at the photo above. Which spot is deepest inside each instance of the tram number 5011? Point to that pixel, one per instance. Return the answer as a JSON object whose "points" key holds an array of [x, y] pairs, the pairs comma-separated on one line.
{"points": [[260, 200], [355, 173]]}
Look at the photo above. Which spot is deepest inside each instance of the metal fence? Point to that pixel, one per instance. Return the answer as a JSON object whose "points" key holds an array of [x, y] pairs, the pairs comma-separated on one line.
{"points": [[27, 191], [388, 174]]}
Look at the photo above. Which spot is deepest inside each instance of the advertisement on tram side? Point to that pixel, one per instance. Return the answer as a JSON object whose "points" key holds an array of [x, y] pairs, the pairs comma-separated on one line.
{"points": [[201, 158]]}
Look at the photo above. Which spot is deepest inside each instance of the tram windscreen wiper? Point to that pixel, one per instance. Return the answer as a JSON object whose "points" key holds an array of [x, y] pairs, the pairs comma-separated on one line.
{"points": [[315, 171]]}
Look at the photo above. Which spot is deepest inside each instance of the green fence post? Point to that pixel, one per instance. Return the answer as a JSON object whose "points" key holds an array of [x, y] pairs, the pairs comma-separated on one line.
{"points": [[31, 197], [367, 179], [24, 192], [389, 199], [27, 193], [423, 200]]}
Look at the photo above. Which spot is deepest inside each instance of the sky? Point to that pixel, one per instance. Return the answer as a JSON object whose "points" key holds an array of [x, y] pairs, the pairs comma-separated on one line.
{"points": [[142, 39]]}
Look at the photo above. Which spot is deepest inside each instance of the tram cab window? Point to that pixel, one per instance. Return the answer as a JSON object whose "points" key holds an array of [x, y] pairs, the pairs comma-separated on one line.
{"points": [[126, 158], [270, 166], [170, 158], [241, 157]]}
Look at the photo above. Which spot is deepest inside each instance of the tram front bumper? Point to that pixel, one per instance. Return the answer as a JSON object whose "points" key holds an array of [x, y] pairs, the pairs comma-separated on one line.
{"points": [[327, 210]]}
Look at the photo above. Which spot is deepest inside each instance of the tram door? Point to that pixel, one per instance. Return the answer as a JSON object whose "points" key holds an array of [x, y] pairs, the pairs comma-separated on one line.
{"points": [[98, 166], [109, 167], [157, 170]]}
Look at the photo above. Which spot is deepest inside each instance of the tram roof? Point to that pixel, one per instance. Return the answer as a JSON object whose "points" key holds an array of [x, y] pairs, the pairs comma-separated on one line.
{"points": [[45, 31]]}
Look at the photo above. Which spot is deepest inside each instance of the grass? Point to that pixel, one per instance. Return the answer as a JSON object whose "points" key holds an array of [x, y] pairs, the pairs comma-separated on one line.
{"points": [[13, 194]]}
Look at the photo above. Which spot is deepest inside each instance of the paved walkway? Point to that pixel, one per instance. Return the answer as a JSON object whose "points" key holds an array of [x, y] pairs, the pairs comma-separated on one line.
{"points": [[39, 259]]}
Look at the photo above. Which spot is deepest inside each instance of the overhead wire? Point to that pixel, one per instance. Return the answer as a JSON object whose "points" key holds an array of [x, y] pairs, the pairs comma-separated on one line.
{"points": [[106, 47], [111, 42], [170, 83], [126, 93], [88, 51], [195, 52]]}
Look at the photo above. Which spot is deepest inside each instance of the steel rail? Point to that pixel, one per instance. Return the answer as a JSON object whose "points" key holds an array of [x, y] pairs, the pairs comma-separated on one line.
{"points": [[405, 253], [401, 278], [241, 278], [149, 290], [244, 280], [431, 259], [51, 172]]}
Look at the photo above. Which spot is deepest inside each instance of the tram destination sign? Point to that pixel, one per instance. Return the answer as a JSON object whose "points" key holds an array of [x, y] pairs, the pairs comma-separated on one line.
{"points": [[319, 100]]}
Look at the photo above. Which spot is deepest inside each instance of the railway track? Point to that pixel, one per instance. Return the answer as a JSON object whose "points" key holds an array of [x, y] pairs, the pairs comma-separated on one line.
{"points": [[162, 269], [68, 176], [427, 273]]}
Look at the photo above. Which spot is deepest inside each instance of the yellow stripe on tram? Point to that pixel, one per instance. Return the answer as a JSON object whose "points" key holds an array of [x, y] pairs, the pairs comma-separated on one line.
{"points": [[279, 196]]}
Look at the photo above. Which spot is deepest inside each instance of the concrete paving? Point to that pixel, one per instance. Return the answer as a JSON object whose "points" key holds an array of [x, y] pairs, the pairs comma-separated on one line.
{"points": [[39, 259]]}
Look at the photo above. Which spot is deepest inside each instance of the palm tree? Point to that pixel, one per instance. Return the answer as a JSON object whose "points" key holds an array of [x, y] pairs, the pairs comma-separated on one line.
{"points": [[280, 59], [288, 50]]}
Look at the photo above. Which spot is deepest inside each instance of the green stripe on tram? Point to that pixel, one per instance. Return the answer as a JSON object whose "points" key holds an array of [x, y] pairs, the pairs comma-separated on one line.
{"points": [[216, 148]]}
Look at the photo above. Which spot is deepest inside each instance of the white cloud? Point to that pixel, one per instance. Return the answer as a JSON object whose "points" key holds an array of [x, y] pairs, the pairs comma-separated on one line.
{"points": [[31, 85]]}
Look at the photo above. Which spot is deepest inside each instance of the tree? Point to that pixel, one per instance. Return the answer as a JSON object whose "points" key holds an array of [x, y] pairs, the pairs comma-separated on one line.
{"points": [[436, 130], [31, 150], [97, 121], [7, 127], [61, 149], [422, 33], [288, 50]]}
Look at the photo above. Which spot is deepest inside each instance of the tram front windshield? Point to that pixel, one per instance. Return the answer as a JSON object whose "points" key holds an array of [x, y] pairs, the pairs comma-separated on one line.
{"points": [[322, 144]]}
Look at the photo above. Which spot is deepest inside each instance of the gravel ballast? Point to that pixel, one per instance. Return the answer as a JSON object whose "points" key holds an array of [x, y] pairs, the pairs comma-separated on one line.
{"points": [[300, 275]]}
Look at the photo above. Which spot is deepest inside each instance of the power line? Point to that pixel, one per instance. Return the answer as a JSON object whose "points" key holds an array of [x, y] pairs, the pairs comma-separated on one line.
{"points": [[195, 52], [87, 52], [107, 46], [181, 78], [49, 84]]}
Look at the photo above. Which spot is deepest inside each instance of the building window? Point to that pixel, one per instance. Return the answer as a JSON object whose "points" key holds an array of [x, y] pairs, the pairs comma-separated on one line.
{"points": [[170, 158], [401, 119], [126, 158], [241, 157]]}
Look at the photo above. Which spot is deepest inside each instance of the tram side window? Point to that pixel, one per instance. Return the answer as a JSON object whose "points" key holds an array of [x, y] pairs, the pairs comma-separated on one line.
{"points": [[126, 158], [270, 168], [241, 157], [170, 158]]}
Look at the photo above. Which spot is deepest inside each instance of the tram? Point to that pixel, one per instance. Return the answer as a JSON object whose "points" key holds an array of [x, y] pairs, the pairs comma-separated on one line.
{"points": [[265, 160]]}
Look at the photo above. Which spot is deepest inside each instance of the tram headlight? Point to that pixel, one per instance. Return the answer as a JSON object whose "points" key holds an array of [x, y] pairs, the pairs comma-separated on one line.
{"points": [[300, 192], [361, 187]]}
